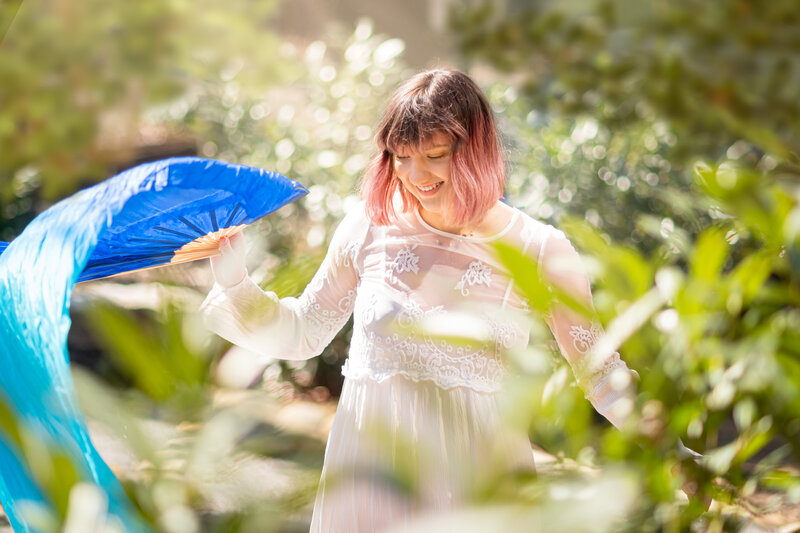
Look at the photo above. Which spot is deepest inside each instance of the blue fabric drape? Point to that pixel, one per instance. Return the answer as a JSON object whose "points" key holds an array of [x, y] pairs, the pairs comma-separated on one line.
{"points": [[134, 220]]}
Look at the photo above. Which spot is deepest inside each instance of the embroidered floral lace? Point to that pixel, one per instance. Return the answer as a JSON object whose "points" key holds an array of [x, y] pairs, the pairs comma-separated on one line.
{"points": [[427, 305]]}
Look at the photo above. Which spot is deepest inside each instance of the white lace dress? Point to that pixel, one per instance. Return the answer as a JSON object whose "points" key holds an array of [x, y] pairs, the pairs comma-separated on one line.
{"points": [[419, 418]]}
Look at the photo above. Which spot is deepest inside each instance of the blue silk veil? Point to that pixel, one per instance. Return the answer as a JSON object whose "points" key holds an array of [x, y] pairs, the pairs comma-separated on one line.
{"points": [[150, 215]]}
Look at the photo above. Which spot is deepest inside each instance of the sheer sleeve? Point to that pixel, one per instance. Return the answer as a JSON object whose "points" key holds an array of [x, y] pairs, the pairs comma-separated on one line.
{"points": [[604, 377], [292, 328]]}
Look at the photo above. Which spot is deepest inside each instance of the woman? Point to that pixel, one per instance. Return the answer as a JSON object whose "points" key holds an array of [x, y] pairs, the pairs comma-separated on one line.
{"points": [[434, 314]]}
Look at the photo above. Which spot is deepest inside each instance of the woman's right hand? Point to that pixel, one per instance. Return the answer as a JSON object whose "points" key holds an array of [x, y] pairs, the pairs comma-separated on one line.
{"points": [[229, 267]]}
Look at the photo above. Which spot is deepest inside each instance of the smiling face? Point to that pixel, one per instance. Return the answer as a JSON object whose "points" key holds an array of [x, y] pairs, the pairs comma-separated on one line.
{"points": [[438, 145], [425, 174]]}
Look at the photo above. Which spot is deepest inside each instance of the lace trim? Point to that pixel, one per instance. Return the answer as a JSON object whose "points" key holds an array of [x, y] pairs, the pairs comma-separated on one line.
{"points": [[412, 353], [349, 253], [477, 273], [347, 302], [405, 261], [599, 378], [584, 339], [592, 378], [325, 323], [412, 313], [443, 382], [368, 314], [504, 334]]}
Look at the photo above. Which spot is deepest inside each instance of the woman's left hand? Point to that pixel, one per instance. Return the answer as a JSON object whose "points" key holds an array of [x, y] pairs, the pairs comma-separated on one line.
{"points": [[229, 267]]}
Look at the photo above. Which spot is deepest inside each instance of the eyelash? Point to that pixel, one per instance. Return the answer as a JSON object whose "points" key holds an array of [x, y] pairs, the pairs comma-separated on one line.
{"points": [[405, 157]]}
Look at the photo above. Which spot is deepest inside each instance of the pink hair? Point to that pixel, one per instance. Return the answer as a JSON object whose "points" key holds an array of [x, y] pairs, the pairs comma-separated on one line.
{"points": [[447, 102]]}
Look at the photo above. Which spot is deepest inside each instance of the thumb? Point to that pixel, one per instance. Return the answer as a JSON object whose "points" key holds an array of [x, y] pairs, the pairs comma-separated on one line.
{"points": [[229, 267]]}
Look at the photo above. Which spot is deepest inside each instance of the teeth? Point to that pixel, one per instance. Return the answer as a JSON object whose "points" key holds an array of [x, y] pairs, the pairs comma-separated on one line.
{"points": [[428, 189]]}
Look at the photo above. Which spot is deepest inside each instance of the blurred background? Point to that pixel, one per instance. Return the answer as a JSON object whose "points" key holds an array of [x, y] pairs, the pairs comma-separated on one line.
{"points": [[663, 137]]}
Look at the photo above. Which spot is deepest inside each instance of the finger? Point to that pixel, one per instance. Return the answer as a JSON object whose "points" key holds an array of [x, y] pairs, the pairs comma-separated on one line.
{"points": [[237, 242], [224, 245]]}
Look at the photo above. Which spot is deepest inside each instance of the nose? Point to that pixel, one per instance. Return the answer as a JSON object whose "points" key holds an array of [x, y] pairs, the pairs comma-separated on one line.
{"points": [[418, 172]]}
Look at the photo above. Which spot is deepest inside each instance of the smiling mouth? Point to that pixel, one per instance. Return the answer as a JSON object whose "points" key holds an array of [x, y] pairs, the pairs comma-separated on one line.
{"points": [[430, 188]]}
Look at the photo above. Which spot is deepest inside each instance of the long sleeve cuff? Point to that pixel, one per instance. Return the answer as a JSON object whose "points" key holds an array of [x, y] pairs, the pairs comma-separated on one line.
{"points": [[612, 393]]}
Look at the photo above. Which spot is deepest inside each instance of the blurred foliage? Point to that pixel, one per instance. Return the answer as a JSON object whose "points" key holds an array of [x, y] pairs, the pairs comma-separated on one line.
{"points": [[52, 468], [611, 102], [185, 436], [183, 433], [716, 345], [663, 138], [621, 182], [316, 128], [201, 458], [151, 351], [77, 78], [606, 109], [717, 72]]}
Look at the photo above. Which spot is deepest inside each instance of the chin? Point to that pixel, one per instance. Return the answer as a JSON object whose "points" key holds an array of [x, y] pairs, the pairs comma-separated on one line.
{"points": [[432, 207]]}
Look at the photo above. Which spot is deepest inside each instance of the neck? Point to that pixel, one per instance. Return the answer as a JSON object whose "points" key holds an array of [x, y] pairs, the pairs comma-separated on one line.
{"points": [[493, 222], [443, 224]]}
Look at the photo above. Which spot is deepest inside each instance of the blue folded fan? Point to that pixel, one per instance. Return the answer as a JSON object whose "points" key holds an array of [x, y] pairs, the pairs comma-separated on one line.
{"points": [[173, 211], [158, 213]]}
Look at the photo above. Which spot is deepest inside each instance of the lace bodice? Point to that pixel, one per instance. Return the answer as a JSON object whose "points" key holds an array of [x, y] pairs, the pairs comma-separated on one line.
{"points": [[426, 304]]}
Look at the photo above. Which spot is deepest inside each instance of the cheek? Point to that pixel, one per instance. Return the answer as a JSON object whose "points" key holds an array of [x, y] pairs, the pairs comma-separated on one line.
{"points": [[444, 170], [403, 179]]}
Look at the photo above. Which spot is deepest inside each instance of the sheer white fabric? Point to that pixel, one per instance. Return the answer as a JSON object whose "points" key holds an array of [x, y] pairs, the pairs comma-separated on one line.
{"points": [[434, 314]]}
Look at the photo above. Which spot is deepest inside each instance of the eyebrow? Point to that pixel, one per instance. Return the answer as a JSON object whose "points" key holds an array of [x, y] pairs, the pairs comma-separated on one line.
{"points": [[437, 147]]}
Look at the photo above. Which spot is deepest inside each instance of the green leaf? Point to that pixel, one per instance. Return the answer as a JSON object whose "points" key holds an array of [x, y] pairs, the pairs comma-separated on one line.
{"points": [[625, 272], [65, 476], [780, 479], [753, 440], [293, 275], [8, 10], [709, 255], [526, 275], [9, 425], [751, 273], [137, 353], [721, 459], [185, 367]]}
